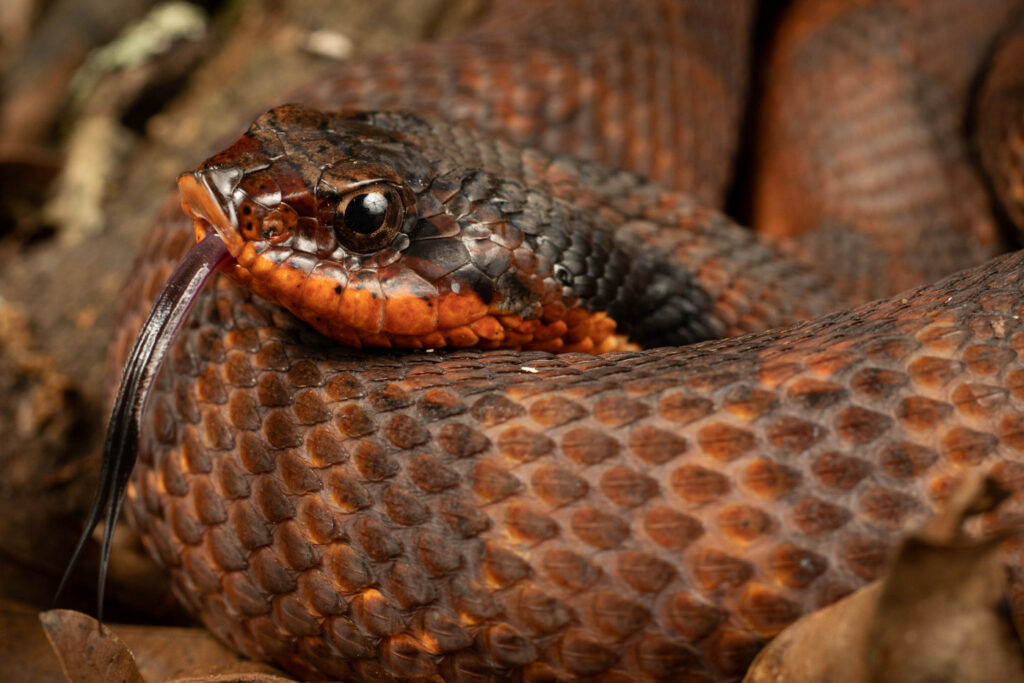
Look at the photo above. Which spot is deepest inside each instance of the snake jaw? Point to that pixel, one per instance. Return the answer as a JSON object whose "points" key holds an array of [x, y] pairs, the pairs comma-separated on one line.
{"points": [[204, 196]]}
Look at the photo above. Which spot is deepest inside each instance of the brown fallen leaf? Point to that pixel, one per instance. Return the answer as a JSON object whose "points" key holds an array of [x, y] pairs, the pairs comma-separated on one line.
{"points": [[134, 654], [88, 652], [938, 615]]}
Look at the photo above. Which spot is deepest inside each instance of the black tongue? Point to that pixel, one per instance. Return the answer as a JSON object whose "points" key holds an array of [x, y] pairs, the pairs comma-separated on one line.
{"points": [[147, 355]]}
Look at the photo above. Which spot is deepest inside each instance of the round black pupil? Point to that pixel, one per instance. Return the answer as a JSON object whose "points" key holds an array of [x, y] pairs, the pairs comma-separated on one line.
{"points": [[365, 213]]}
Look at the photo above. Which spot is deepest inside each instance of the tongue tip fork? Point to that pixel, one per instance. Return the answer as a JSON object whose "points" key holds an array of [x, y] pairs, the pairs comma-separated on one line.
{"points": [[120, 449]]}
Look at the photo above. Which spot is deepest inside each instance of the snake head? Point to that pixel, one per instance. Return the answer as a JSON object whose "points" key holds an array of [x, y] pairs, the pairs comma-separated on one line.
{"points": [[388, 230]]}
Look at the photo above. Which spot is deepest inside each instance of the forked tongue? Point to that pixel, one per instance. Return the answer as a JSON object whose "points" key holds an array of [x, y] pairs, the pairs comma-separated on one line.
{"points": [[169, 310]]}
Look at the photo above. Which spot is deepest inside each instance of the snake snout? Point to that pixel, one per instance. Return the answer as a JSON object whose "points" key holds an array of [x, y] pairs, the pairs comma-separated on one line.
{"points": [[205, 197]]}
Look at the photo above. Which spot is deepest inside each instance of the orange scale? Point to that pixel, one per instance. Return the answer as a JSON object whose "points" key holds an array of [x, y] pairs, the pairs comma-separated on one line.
{"points": [[553, 311], [238, 273], [288, 282], [411, 303], [456, 310], [460, 336], [375, 339], [616, 342], [433, 340], [488, 328], [409, 315], [601, 327], [555, 330], [401, 341], [510, 321], [575, 316], [345, 335], [529, 327], [262, 267], [577, 333], [319, 293], [261, 281], [585, 345], [515, 339], [359, 308], [550, 345]]}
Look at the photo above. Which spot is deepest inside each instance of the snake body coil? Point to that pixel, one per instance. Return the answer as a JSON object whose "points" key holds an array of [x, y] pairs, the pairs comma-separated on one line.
{"points": [[478, 514]]}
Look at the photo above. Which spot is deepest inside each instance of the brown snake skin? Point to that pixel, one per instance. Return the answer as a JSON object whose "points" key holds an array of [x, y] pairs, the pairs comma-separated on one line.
{"points": [[655, 515]]}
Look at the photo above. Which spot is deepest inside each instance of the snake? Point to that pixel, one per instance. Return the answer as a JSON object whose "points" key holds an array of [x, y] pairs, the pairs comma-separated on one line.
{"points": [[479, 382]]}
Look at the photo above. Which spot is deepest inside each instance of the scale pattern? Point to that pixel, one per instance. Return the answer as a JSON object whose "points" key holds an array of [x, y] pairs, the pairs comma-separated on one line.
{"points": [[477, 513], [656, 86], [650, 515], [861, 154]]}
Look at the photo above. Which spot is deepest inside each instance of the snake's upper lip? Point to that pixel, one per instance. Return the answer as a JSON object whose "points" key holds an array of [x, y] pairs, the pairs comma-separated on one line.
{"points": [[205, 197]]}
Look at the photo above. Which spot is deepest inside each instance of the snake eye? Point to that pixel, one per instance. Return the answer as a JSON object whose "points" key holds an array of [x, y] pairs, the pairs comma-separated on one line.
{"points": [[365, 213], [367, 219]]}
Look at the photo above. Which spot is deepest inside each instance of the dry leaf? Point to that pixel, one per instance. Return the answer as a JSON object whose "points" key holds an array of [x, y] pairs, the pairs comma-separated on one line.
{"points": [[88, 652], [145, 653]]}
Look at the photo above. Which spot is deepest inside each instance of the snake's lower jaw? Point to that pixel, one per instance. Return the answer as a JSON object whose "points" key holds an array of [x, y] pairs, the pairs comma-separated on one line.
{"points": [[203, 201]]}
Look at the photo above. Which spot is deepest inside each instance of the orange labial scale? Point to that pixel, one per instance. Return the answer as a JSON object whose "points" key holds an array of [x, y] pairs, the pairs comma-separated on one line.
{"points": [[578, 333], [555, 330], [261, 269], [239, 274], [376, 340], [433, 340], [455, 310], [551, 345], [529, 327], [461, 336], [616, 342], [488, 328], [345, 335], [556, 310], [288, 282], [318, 295], [510, 322], [516, 339], [359, 309], [410, 315], [247, 256], [585, 345], [401, 341], [575, 316], [601, 327]]}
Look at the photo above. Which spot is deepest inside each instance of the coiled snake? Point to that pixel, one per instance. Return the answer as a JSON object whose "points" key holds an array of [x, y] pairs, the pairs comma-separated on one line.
{"points": [[479, 514]]}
